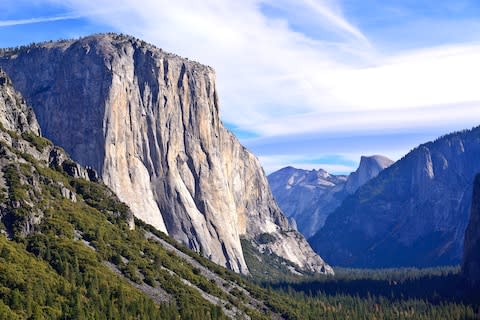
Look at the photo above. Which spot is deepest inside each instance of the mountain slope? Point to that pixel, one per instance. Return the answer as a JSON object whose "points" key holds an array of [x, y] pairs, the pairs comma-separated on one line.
{"points": [[310, 196], [149, 123], [413, 214], [69, 249], [40, 266]]}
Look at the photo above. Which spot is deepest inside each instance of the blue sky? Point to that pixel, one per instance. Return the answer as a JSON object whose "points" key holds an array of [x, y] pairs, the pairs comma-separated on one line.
{"points": [[308, 83]]}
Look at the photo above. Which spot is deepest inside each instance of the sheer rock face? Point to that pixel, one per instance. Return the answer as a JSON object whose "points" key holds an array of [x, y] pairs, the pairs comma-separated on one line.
{"points": [[368, 169], [414, 213], [20, 142], [471, 254], [309, 196], [149, 122]]}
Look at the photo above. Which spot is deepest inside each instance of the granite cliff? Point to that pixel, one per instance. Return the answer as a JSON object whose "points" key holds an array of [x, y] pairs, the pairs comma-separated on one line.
{"points": [[69, 248], [471, 254], [368, 169], [414, 213], [309, 196], [148, 122], [20, 146]]}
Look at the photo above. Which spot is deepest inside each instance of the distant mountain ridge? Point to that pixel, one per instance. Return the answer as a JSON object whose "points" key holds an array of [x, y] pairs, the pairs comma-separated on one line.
{"points": [[309, 196], [414, 213]]}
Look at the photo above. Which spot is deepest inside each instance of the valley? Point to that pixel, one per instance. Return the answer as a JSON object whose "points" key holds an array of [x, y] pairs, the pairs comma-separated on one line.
{"points": [[123, 196]]}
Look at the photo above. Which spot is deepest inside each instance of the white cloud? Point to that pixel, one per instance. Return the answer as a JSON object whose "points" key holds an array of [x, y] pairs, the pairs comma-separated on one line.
{"points": [[366, 120], [421, 78]]}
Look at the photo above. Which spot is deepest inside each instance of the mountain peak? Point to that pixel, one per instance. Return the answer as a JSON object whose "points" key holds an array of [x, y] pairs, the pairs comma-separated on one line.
{"points": [[369, 168], [380, 160], [105, 44]]}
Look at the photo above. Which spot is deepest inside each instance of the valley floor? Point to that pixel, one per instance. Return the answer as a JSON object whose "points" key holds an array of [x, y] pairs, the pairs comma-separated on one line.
{"points": [[435, 293]]}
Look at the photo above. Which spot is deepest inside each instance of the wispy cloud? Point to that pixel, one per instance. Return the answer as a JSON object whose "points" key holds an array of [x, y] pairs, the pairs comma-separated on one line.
{"points": [[9, 23], [371, 120], [318, 13], [335, 18]]}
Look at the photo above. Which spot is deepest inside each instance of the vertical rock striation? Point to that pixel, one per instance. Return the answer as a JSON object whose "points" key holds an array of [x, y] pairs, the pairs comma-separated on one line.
{"points": [[471, 253], [149, 122], [368, 169]]}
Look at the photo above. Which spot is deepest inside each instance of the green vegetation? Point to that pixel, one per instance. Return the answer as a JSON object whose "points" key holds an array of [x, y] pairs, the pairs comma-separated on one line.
{"points": [[381, 294], [12, 133], [39, 142], [71, 284], [70, 280], [266, 267], [265, 238], [406, 293]]}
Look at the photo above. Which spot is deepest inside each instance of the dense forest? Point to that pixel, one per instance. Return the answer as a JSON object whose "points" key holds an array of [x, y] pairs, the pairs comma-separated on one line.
{"points": [[407, 293]]}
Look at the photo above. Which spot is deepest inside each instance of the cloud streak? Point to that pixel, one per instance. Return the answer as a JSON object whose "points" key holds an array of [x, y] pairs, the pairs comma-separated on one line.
{"points": [[336, 19], [17, 22]]}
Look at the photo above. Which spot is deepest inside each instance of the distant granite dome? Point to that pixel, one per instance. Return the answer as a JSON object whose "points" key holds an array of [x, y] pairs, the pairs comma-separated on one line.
{"points": [[414, 213], [309, 196], [471, 254], [369, 168], [148, 122]]}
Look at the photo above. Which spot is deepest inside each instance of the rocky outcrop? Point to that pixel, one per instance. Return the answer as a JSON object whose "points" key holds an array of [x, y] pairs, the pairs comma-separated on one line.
{"points": [[14, 113], [471, 254], [148, 122], [413, 214], [309, 196]]}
